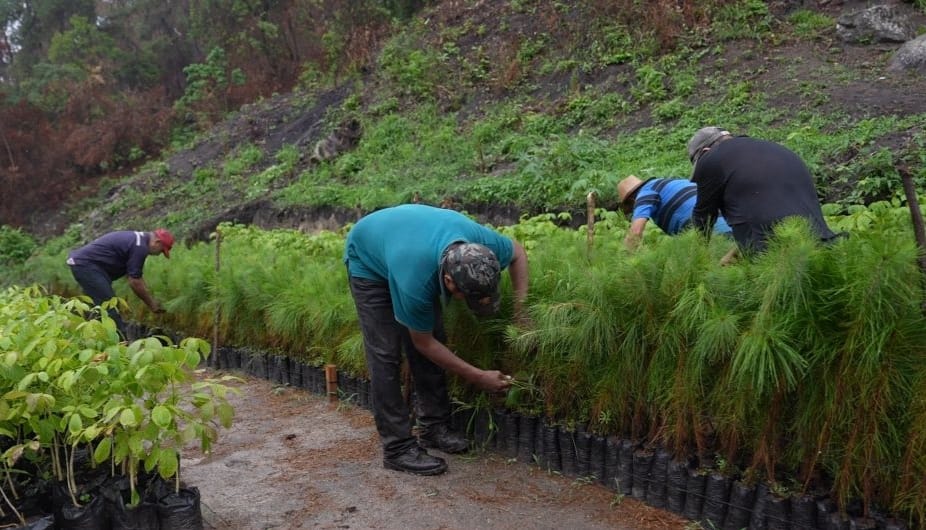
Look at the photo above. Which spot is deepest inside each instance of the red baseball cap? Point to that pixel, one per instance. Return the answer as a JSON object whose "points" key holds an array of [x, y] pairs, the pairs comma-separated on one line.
{"points": [[166, 239]]}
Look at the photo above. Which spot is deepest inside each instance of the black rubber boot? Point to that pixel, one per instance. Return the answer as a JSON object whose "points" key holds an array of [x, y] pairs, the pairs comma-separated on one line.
{"points": [[441, 436], [416, 461]]}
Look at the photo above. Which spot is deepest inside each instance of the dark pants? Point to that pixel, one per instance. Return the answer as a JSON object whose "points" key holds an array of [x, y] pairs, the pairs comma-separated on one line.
{"points": [[97, 285], [384, 338], [752, 238]]}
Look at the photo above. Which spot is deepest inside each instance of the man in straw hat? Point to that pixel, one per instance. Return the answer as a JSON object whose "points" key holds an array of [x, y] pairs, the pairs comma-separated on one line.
{"points": [[668, 202], [402, 262], [98, 264], [754, 184]]}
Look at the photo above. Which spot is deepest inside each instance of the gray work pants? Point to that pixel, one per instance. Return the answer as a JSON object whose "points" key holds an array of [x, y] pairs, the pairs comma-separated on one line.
{"points": [[384, 340]]}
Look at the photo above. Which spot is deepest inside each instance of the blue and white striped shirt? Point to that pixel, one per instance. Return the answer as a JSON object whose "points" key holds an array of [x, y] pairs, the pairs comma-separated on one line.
{"points": [[669, 202]]}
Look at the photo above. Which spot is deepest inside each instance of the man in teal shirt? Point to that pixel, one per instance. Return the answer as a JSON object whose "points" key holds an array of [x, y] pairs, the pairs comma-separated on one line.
{"points": [[401, 263]]}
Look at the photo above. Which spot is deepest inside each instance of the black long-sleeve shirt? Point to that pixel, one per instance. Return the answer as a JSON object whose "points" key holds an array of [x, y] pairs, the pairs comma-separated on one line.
{"points": [[117, 253], [754, 184]]}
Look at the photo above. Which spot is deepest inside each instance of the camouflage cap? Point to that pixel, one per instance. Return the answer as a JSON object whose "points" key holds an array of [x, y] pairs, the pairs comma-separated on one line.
{"points": [[474, 269]]}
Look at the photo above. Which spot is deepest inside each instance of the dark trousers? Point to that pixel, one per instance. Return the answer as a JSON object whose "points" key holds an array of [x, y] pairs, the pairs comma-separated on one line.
{"points": [[384, 339], [97, 285], [752, 238]]}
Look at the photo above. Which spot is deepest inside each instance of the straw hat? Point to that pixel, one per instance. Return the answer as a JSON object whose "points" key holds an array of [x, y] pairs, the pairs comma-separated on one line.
{"points": [[627, 187]]}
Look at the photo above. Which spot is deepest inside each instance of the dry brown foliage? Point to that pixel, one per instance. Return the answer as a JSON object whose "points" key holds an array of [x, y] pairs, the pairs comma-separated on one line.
{"points": [[102, 129], [44, 164], [33, 175], [666, 20]]}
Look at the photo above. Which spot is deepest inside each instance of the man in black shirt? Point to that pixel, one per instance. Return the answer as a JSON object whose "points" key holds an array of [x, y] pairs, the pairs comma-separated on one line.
{"points": [[96, 265], [754, 184]]}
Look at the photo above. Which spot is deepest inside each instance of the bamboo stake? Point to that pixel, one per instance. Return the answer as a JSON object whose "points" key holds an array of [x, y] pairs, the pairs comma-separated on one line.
{"points": [[217, 308], [590, 201], [916, 216], [72, 485], [9, 152], [56, 458], [331, 381], [9, 482], [12, 506]]}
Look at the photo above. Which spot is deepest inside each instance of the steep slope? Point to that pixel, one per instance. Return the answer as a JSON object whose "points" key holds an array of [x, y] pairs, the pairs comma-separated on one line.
{"points": [[504, 109]]}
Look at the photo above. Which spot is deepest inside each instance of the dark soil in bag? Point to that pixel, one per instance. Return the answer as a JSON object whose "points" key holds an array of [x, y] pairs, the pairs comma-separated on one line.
{"points": [[90, 516], [694, 494], [716, 494], [656, 490], [612, 457], [596, 460], [757, 521], [676, 486], [122, 516], [583, 453], [512, 425], [45, 522], [642, 473], [742, 498], [553, 459], [778, 513], [501, 434], [803, 512], [181, 511], [625, 468], [567, 452], [527, 430], [539, 449]]}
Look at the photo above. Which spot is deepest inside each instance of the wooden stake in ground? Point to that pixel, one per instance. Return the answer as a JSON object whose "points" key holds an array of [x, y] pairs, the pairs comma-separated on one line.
{"points": [[590, 201], [917, 217], [217, 311], [331, 382]]}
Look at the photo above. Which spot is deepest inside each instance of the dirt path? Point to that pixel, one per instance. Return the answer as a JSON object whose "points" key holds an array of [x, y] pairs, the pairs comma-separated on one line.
{"points": [[294, 460]]}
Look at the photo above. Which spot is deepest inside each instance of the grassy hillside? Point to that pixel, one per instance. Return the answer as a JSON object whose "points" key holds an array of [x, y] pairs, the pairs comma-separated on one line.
{"points": [[507, 108]]}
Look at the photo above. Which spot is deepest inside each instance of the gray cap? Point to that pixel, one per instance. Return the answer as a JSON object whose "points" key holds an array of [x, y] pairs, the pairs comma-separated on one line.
{"points": [[705, 137], [474, 269]]}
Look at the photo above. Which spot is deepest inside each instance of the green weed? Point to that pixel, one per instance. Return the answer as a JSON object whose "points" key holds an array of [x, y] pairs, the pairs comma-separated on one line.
{"points": [[810, 24]]}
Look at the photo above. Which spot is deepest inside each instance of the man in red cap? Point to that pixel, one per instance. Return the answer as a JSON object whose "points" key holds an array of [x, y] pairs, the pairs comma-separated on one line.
{"points": [[96, 265]]}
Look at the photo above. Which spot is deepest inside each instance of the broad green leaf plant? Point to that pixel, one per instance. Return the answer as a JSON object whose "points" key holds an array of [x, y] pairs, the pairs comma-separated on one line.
{"points": [[69, 383]]}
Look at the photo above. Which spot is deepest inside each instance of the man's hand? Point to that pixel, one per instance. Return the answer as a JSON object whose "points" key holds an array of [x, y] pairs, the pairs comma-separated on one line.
{"points": [[523, 321], [635, 233], [156, 307], [493, 381], [730, 257]]}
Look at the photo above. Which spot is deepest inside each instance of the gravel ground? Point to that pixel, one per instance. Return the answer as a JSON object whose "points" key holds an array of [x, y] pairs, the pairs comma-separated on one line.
{"points": [[294, 460]]}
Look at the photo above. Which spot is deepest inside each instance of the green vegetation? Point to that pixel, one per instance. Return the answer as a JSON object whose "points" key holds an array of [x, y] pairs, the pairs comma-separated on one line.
{"points": [[15, 245], [809, 24], [69, 384], [823, 344], [208, 84], [423, 137], [819, 346]]}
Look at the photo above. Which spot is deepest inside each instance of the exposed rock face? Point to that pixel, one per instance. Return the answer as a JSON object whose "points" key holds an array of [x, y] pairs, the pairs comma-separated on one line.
{"points": [[910, 57], [880, 23], [342, 139]]}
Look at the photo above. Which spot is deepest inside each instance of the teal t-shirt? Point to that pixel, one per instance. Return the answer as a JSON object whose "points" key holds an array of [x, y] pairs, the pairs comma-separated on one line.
{"points": [[402, 246]]}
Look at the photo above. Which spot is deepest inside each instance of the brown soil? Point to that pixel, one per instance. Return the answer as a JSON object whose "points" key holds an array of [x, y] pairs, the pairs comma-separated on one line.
{"points": [[294, 460]]}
